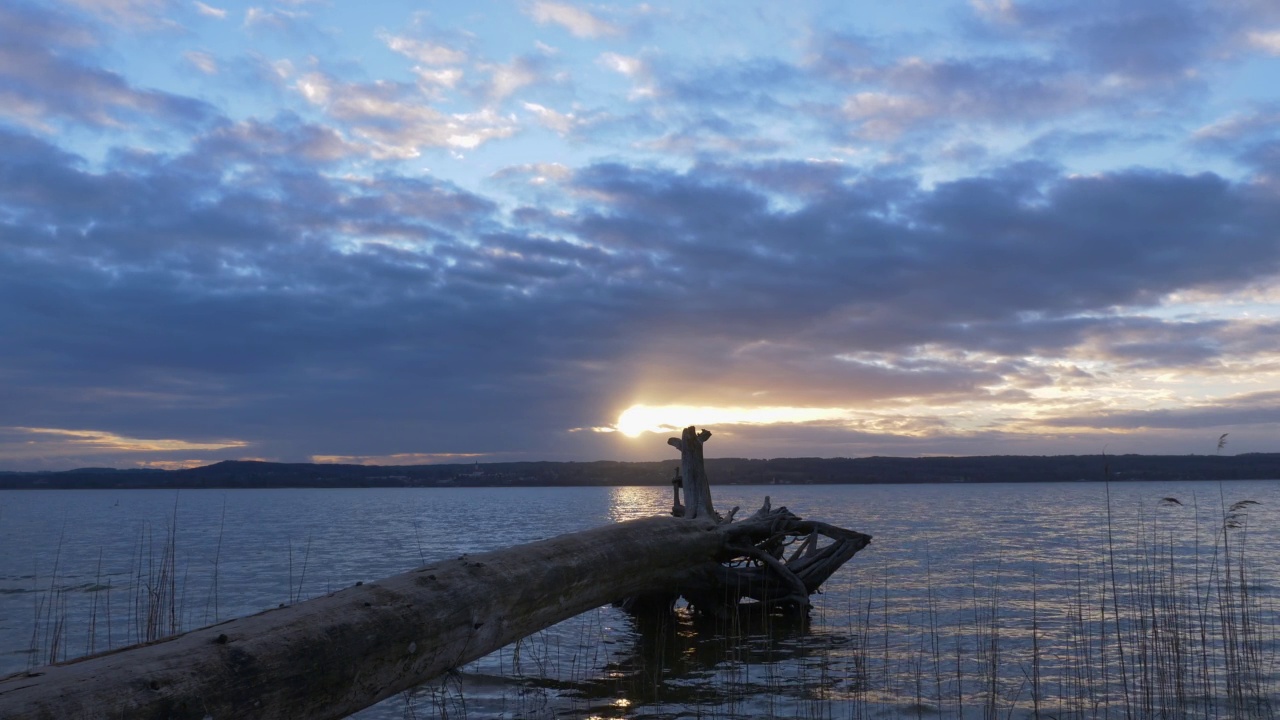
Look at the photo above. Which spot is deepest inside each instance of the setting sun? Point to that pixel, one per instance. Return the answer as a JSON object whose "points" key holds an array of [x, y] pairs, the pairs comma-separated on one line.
{"points": [[641, 418]]}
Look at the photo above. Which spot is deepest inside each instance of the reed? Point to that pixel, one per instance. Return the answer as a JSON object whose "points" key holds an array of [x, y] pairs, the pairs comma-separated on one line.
{"points": [[1162, 618], [1143, 630]]}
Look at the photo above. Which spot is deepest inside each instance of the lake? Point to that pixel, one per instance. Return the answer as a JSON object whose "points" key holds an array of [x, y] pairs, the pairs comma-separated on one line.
{"points": [[972, 600]]}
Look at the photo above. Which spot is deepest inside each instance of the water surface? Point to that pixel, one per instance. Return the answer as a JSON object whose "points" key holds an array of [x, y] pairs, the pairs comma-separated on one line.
{"points": [[973, 600]]}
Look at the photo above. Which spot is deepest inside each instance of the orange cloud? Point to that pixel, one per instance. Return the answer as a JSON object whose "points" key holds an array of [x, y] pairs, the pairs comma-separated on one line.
{"points": [[112, 442], [396, 459]]}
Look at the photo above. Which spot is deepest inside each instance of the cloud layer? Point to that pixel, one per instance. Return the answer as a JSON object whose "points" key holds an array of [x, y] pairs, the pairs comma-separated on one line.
{"points": [[1020, 227]]}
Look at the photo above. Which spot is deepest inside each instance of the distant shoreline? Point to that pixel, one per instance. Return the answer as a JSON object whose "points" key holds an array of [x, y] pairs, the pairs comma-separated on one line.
{"points": [[243, 474]]}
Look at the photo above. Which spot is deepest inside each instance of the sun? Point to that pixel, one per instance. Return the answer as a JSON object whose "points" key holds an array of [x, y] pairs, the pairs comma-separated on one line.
{"points": [[641, 418]]}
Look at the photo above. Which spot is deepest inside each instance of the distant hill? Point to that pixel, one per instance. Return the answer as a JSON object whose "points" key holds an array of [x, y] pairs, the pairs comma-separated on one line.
{"points": [[723, 471]]}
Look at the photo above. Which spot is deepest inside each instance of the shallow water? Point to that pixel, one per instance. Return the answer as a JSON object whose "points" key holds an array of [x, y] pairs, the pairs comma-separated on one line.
{"points": [[973, 600]]}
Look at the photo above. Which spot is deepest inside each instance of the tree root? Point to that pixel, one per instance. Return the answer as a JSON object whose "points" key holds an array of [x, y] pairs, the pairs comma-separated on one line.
{"points": [[750, 566]]}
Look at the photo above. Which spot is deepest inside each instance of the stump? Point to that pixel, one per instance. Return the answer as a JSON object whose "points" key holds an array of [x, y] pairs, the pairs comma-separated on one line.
{"points": [[779, 559]]}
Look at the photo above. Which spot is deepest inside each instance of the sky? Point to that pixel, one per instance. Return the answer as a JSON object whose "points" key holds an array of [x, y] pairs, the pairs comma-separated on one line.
{"points": [[421, 232]]}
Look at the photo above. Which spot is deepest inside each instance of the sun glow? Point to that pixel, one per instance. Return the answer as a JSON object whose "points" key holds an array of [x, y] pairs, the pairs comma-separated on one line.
{"points": [[639, 419]]}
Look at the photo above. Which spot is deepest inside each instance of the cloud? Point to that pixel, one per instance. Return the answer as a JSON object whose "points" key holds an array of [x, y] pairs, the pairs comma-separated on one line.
{"points": [[1251, 138], [1259, 408], [439, 65], [100, 440], [505, 79], [634, 68], [639, 419], [60, 449], [1005, 11], [1028, 66], [937, 238], [871, 285], [577, 21], [766, 90], [433, 82], [285, 138], [629, 66], [915, 93], [46, 76], [1057, 143], [1240, 126], [1268, 42], [398, 459], [209, 10], [144, 14], [396, 120], [183, 464], [537, 173], [202, 61], [424, 51], [562, 123], [256, 278], [1138, 44], [277, 19], [715, 136]]}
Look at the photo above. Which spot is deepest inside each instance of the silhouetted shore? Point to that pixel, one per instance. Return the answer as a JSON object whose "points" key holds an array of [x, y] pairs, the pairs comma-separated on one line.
{"points": [[726, 471]]}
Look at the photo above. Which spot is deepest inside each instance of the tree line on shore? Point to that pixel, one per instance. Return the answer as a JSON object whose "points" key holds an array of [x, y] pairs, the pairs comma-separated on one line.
{"points": [[726, 471]]}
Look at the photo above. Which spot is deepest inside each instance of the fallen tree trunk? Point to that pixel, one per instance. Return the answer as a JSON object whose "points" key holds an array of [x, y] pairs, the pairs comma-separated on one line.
{"points": [[331, 656]]}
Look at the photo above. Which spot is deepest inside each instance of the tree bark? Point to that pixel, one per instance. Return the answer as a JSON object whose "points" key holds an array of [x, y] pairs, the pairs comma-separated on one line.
{"points": [[331, 656], [697, 488]]}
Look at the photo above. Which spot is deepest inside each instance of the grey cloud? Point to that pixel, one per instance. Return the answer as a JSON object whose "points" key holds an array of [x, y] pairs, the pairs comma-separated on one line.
{"points": [[1058, 142], [1093, 242], [302, 310], [842, 55], [1144, 42], [1032, 63], [988, 87], [788, 177], [1149, 41], [1251, 138], [1262, 408], [702, 113], [875, 266], [1151, 343], [897, 100], [46, 75], [285, 136], [713, 136], [249, 299], [752, 83]]}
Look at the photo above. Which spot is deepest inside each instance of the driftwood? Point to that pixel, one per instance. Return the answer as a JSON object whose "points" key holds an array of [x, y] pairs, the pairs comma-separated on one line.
{"points": [[331, 656], [761, 570]]}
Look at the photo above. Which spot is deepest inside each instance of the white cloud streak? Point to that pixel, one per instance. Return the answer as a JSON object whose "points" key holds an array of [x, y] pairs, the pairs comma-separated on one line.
{"points": [[209, 10], [577, 21], [202, 61]]}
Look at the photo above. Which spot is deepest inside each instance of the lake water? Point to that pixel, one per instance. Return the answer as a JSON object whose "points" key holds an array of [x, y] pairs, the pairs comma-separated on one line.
{"points": [[972, 600]]}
